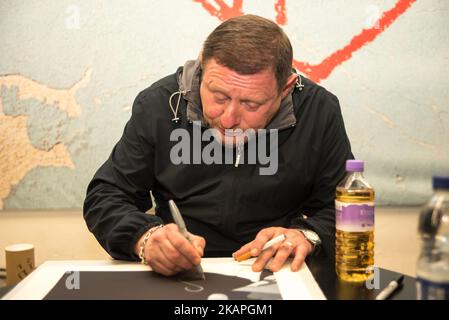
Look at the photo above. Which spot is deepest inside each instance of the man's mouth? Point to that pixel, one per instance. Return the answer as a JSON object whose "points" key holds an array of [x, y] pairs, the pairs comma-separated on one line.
{"points": [[230, 132]]}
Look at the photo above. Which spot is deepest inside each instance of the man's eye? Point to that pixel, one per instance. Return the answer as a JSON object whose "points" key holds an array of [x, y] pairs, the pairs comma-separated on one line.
{"points": [[252, 105], [220, 100]]}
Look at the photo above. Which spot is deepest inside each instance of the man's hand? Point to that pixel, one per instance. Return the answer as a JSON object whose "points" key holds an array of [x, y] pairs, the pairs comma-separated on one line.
{"points": [[295, 245], [168, 252]]}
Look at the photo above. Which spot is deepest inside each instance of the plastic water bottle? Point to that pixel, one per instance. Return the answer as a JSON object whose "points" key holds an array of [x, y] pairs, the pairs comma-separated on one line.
{"points": [[354, 207], [433, 227]]}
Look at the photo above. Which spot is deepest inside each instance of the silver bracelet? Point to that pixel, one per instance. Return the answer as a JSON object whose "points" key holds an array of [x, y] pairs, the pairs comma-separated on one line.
{"points": [[144, 243]]}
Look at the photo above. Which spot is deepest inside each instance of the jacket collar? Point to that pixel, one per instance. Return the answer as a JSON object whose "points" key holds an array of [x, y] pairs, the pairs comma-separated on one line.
{"points": [[189, 86]]}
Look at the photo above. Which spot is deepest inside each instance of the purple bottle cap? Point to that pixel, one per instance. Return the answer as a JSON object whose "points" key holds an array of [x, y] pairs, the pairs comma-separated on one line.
{"points": [[354, 165]]}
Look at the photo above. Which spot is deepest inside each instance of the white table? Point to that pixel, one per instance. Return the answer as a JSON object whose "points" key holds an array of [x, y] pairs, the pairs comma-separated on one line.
{"points": [[292, 285]]}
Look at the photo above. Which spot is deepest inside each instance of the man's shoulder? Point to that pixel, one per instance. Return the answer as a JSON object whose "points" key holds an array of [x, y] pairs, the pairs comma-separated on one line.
{"points": [[313, 88], [161, 88], [153, 100], [318, 97]]}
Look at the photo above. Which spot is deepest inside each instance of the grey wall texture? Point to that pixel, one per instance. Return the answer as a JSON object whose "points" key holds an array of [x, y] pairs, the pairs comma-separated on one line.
{"points": [[70, 70]]}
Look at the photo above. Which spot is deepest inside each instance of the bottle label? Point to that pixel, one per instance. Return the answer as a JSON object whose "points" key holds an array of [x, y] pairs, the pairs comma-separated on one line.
{"points": [[354, 217], [428, 290]]}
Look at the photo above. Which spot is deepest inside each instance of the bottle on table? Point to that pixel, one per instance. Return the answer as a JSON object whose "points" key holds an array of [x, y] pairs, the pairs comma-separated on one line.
{"points": [[433, 228], [354, 207]]}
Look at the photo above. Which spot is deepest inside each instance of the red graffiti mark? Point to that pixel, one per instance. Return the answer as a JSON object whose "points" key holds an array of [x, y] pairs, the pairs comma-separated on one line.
{"points": [[281, 16], [321, 71], [223, 12]]}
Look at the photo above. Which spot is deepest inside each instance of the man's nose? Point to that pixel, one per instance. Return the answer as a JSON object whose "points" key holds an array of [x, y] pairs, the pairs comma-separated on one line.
{"points": [[231, 116]]}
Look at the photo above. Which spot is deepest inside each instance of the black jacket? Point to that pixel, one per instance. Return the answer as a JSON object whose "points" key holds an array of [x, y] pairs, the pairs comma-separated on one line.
{"points": [[227, 205]]}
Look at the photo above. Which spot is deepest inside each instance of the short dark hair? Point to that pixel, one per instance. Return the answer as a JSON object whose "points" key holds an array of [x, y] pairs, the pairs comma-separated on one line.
{"points": [[250, 44]]}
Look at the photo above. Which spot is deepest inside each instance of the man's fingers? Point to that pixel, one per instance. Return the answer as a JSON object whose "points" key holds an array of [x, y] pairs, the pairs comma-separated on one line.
{"points": [[263, 258], [244, 249], [183, 245], [169, 252], [162, 251], [198, 243], [295, 245], [255, 247], [282, 254], [174, 256], [160, 248], [166, 256], [159, 267], [262, 238], [300, 256], [159, 262]]}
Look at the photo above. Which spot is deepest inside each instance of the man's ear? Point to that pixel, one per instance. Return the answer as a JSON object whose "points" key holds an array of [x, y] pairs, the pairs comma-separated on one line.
{"points": [[291, 81]]}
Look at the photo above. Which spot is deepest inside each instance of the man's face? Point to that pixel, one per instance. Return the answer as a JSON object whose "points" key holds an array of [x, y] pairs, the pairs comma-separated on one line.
{"points": [[234, 101]]}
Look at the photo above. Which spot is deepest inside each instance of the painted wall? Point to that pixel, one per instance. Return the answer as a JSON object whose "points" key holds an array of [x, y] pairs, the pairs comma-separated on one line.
{"points": [[70, 70]]}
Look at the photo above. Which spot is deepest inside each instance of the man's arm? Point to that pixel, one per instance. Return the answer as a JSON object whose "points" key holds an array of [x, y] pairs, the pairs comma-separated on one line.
{"points": [[318, 211], [119, 194]]}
